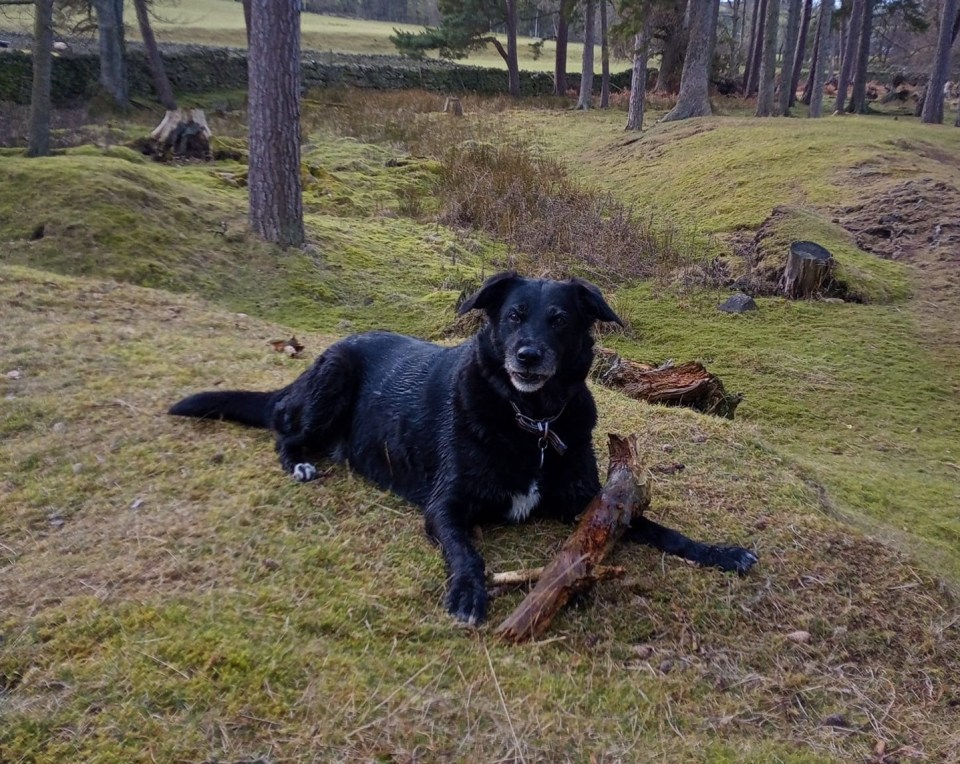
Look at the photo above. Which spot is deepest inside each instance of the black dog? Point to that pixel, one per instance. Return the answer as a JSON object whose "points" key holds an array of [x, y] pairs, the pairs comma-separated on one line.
{"points": [[493, 429]]}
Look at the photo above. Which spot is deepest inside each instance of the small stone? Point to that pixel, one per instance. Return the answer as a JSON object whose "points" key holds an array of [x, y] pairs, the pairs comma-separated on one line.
{"points": [[643, 651], [59, 428], [271, 564], [14, 374], [800, 637], [136, 504], [667, 448], [217, 458], [738, 303], [666, 666], [77, 468]]}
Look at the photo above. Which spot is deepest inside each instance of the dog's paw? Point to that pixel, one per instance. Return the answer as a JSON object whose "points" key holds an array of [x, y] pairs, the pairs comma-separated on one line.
{"points": [[467, 600], [304, 472], [733, 559]]}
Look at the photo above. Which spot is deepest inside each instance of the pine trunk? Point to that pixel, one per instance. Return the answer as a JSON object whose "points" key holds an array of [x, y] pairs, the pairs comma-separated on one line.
{"points": [[604, 58], [694, 98], [39, 141], [819, 65], [791, 33], [850, 45], [801, 50], [586, 71], [638, 80], [160, 81], [513, 64], [756, 46], [858, 98], [276, 203], [560, 60], [113, 71], [933, 103], [768, 61]]}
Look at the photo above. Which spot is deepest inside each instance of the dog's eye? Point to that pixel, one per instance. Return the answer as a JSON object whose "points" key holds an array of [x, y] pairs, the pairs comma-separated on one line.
{"points": [[558, 321], [514, 317]]}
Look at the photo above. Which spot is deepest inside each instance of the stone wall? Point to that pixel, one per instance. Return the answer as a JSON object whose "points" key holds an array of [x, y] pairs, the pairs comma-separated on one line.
{"points": [[202, 69]]}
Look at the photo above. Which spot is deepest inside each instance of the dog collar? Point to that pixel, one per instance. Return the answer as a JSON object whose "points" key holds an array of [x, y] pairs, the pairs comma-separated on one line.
{"points": [[541, 427]]}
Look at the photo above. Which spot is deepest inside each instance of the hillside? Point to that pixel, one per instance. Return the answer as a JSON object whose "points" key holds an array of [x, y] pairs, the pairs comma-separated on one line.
{"points": [[167, 594]]}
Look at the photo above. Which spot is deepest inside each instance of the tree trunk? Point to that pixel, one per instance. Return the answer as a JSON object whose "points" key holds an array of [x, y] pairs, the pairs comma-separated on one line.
{"points": [[819, 64], [791, 34], [736, 23], [858, 99], [933, 104], [801, 50], [276, 203], [586, 72], [604, 58], [694, 98], [848, 55], [814, 57], [160, 81], [808, 272], [624, 498], [39, 142], [513, 65], [756, 46], [638, 80], [246, 20], [670, 59], [113, 71], [768, 61], [560, 60]]}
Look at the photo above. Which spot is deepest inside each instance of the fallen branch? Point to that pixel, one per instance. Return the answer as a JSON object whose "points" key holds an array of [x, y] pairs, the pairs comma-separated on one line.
{"points": [[532, 575], [688, 384], [575, 568]]}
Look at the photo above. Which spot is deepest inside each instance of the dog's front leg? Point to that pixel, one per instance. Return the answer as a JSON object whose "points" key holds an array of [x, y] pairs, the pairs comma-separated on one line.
{"points": [[730, 558], [466, 598]]}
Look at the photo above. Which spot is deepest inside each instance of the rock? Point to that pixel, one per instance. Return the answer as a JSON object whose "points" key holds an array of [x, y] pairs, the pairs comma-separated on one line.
{"points": [[738, 303], [800, 637]]}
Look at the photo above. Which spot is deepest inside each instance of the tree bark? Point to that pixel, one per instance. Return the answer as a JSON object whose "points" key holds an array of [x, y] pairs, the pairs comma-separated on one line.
{"points": [[808, 87], [638, 79], [801, 50], [39, 141], [670, 59], [113, 70], [604, 58], [791, 34], [858, 98], [688, 384], [246, 20], [694, 98], [625, 497], [768, 60], [160, 81], [933, 103], [847, 57], [276, 203], [819, 64], [560, 60], [586, 72]]}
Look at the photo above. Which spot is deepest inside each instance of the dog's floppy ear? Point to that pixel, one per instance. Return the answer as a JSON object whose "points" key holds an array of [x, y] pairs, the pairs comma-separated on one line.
{"points": [[489, 297], [592, 302]]}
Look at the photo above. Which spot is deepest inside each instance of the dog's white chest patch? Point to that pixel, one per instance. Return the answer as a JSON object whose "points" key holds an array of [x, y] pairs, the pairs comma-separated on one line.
{"points": [[523, 504]]}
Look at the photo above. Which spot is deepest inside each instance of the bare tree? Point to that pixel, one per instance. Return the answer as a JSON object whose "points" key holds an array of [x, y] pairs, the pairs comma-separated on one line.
{"points": [[694, 98], [768, 60], [513, 62], [791, 33], [160, 80], [560, 59], [850, 45], [39, 140], [933, 102], [752, 73], [586, 72], [818, 70], [276, 202], [858, 97], [604, 58]]}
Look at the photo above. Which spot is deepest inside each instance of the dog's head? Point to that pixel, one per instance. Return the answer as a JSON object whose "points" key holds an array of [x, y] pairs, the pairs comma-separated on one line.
{"points": [[540, 327]]}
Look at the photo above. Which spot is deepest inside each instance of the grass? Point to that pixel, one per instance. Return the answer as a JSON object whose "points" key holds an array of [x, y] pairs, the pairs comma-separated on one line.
{"points": [[220, 23], [167, 595]]}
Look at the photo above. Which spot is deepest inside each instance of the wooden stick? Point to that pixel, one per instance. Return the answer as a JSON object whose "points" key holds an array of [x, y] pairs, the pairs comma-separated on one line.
{"points": [[625, 496], [532, 575]]}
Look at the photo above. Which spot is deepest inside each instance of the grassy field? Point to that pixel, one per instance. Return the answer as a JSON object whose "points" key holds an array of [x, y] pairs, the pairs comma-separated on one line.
{"points": [[220, 22], [166, 594]]}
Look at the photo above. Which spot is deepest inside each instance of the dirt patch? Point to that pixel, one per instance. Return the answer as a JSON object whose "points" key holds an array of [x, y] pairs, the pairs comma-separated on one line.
{"points": [[912, 221]]}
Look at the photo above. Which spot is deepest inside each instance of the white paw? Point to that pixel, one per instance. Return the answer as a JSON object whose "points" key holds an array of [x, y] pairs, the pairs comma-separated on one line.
{"points": [[304, 472]]}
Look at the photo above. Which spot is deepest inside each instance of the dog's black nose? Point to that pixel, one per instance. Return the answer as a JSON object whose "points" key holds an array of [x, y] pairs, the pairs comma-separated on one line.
{"points": [[528, 355]]}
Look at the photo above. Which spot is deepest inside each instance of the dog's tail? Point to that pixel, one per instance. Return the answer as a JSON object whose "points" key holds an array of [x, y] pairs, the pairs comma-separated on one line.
{"points": [[253, 409]]}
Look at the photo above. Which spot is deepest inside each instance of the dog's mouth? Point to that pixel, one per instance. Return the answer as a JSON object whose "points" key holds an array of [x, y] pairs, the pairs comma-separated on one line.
{"points": [[527, 381]]}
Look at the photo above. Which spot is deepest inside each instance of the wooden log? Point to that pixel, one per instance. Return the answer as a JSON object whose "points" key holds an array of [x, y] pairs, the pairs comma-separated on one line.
{"points": [[625, 496], [526, 576], [809, 271], [688, 384]]}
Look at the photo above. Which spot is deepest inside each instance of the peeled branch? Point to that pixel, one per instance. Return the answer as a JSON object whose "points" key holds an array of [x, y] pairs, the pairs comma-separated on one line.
{"points": [[577, 566]]}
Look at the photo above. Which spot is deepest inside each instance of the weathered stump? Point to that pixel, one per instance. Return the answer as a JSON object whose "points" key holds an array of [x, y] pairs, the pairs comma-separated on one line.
{"points": [[453, 106], [182, 134], [577, 566], [688, 384], [809, 271]]}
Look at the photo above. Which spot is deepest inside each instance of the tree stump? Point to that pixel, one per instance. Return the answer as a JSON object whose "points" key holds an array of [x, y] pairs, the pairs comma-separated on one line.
{"points": [[453, 106], [687, 384], [809, 270], [182, 134]]}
